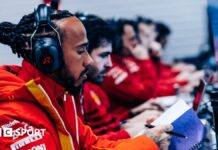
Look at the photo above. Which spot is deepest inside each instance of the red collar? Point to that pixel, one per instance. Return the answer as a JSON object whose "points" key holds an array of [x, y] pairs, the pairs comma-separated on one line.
{"points": [[29, 72]]}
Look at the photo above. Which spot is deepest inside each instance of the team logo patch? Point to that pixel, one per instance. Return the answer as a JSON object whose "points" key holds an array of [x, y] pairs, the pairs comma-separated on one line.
{"points": [[95, 98]]}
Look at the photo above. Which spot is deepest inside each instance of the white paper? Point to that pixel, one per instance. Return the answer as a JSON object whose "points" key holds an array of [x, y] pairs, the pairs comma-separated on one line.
{"points": [[174, 112]]}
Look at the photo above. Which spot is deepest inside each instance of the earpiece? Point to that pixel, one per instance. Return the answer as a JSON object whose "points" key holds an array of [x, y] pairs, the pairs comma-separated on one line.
{"points": [[117, 41], [46, 50]]}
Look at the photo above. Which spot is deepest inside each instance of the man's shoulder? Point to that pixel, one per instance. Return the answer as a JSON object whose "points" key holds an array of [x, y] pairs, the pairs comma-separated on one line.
{"points": [[9, 71], [91, 85], [23, 110], [9, 79]]}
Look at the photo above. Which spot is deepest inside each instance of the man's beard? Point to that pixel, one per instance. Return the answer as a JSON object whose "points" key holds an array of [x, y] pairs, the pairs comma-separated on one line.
{"points": [[71, 85], [72, 88], [98, 78]]}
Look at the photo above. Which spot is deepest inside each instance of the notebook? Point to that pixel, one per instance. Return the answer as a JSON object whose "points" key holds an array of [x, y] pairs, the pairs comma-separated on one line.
{"points": [[186, 122]]}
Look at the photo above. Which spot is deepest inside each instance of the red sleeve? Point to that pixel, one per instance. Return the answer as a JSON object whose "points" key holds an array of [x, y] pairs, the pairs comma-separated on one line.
{"points": [[125, 87], [142, 70], [122, 113], [168, 75], [165, 81], [148, 75], [167, 71], [147, 70], [171, 81], [165, 90], [121, 134], [89, 141]]}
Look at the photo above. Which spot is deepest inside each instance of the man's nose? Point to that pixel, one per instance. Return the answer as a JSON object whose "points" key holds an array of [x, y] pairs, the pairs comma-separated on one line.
{"points": [[109, 62], [88, 60]]}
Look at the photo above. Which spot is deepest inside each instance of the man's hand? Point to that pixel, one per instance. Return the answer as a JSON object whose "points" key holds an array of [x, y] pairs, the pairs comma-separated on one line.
{"points": [[158, 134], [195, 76], [139, 52], [184, 67], [136, 125], [148, 105], [156, 48], [144, 116]]}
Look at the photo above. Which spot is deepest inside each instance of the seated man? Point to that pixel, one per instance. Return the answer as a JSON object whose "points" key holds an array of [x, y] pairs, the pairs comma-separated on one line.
{"points": [[154, 41], [179, 71], [166, 83], [122, 82], [34, 96], [95, 102]]}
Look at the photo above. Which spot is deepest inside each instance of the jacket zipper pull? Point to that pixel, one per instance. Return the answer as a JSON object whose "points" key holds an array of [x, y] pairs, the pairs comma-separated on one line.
{"points": [[65, 96]]}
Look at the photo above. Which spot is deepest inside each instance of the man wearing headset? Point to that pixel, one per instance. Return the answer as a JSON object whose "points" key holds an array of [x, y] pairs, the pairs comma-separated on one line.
{"points": [[123, 82], [169, 77], [36, 110]]}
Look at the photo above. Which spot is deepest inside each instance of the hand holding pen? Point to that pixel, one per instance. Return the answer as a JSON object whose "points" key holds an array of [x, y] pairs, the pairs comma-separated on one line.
{"points": [[159, 136]]}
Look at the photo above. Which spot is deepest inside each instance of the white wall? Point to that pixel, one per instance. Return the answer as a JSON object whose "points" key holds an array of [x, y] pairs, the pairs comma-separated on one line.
{"points": [[187, 18], [12, 11]]}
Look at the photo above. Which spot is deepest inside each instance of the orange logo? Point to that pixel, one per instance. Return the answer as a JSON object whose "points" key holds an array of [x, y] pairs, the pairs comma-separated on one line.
{"points": [[11, 97], [95, 97]]}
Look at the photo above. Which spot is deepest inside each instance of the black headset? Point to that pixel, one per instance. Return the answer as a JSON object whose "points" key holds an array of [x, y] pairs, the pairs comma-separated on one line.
{"points": [[46, 50], [117, 41]]}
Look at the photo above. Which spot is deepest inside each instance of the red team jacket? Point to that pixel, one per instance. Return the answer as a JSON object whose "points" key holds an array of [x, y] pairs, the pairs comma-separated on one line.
{"points": [[131, 82], [124, 84], [31, 100], [166, 79]]}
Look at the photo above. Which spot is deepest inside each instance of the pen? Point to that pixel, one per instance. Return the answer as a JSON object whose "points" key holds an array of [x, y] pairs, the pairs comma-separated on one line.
{"points": [[168, 132]]}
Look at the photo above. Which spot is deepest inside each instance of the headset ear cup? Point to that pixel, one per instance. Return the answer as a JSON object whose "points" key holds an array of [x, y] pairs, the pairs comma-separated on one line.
{"points": [[117, 44], [120, 43], [46, 51], [47, 55]]}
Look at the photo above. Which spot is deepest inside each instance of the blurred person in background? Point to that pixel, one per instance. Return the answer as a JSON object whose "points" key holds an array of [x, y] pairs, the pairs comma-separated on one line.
{"points": [[123, 82], [169, 77], [163, 32], [181, 71]]}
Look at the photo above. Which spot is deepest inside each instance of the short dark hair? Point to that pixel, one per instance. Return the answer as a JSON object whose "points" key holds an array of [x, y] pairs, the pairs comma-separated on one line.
{"points": [[162, 31], [17, 35], [122, 22], [144, 20], [98, 30], [119, 31]]}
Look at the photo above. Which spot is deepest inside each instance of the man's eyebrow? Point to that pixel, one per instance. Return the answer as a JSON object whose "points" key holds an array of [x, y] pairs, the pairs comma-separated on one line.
{"points": [[84, 44], [105, 53]]}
